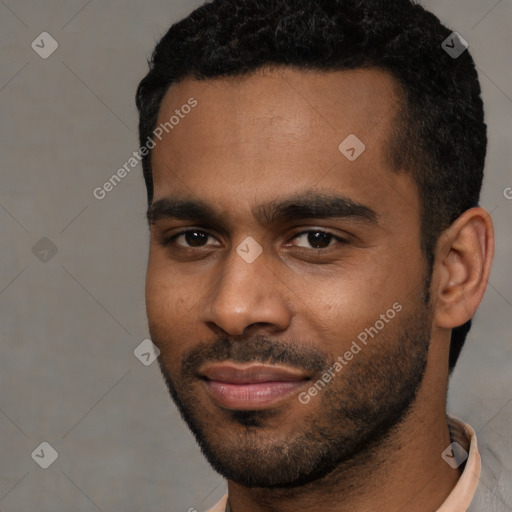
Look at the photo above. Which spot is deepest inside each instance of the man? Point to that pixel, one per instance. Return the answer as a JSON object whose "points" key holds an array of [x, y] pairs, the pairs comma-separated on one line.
{"points": [[317, 251]]}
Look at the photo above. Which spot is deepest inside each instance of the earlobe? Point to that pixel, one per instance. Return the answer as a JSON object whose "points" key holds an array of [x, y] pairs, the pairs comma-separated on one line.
{"points": [[463, 263]]}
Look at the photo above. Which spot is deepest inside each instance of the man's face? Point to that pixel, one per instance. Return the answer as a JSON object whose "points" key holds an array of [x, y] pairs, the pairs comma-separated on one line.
{"points": [[253, 301]]}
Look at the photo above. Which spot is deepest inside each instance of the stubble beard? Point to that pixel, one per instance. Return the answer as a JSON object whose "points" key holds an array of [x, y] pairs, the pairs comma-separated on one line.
{"points": [[353, 415]]}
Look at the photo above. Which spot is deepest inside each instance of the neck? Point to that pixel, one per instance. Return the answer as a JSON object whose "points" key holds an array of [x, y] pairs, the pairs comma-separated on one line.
{"points": [[404, 471]]}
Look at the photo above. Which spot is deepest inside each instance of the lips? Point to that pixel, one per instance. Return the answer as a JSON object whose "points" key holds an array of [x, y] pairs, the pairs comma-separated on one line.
{"points": [[251, 387]]}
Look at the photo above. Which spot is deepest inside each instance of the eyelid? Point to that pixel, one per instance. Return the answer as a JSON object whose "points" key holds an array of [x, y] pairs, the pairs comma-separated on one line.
{"points": [[338, 238], [168, 240]]}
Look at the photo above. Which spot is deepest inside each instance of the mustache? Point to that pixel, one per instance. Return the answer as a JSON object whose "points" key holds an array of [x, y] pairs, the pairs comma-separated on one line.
{"points": [[258, 348]]}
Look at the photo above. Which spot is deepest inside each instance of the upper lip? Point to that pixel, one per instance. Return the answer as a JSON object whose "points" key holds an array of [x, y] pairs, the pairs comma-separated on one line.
{"points": [[250, 374]]}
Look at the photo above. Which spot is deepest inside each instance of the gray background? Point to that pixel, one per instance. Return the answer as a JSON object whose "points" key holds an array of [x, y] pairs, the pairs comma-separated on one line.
{"points": [[69, 326]]}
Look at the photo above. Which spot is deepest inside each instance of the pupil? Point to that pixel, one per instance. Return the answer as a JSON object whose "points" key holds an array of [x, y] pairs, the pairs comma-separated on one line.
{"points": [[194, 238], [319, 240]]}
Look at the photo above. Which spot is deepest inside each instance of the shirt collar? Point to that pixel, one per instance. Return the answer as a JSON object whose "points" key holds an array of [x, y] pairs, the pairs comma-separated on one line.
{"points": [[462, 494]]}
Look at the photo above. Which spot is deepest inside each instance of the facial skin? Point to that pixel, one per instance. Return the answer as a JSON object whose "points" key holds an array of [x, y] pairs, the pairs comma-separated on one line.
{"points": [[270, 138]]}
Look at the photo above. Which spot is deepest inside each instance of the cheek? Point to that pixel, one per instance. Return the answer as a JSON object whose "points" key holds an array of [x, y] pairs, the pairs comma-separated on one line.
{"points": [[336, 318], [166, 289], [168, 310], [338, 308]]}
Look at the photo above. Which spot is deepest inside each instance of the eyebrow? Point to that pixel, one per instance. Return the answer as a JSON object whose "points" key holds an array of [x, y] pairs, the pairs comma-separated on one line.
{"points": [[304, 205]]}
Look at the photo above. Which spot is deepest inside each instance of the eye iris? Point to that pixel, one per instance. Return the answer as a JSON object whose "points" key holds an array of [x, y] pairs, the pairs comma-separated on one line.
{"points": [[195, 238], [319, 240]]}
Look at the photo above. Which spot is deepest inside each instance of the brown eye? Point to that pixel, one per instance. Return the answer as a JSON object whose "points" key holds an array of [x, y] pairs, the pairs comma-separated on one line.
{"points": [[196, 238], [317, 239], [192, 238]]}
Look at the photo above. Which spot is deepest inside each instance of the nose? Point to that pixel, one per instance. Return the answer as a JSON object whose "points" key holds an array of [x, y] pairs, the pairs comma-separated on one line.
{"points": [[245, 295]]}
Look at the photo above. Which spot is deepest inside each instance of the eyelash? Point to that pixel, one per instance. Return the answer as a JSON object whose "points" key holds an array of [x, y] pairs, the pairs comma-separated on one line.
{"points": [[166, 242]]}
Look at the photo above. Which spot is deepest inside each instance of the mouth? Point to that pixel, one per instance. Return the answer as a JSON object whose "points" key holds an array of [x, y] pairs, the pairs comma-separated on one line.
{"points": [[251, 387]]}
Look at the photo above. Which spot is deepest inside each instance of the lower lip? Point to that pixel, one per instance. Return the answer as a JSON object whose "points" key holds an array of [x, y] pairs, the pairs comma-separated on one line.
{"points": [[251, 396]]}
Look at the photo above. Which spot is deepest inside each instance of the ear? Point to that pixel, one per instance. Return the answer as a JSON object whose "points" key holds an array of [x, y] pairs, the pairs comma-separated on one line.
{"points": [[464, 256]]}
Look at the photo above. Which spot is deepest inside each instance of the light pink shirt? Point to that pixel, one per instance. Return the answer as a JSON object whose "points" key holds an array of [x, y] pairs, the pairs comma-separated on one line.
{"points": [[462, 494]]}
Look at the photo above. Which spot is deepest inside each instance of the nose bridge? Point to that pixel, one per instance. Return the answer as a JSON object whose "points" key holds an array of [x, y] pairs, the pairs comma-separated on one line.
{"points": [[240, 277], [246, 292]]}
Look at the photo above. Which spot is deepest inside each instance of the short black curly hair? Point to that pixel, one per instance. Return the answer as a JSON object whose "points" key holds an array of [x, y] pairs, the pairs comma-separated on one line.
{"points": [[440, 135]]}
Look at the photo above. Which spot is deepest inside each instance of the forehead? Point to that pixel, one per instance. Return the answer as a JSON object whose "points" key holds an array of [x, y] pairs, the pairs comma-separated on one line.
{"points": [[276, 130], [298, 102]]}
